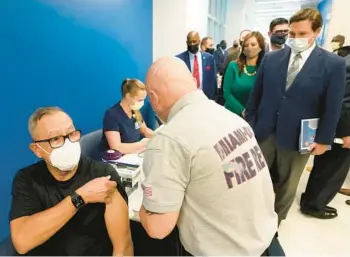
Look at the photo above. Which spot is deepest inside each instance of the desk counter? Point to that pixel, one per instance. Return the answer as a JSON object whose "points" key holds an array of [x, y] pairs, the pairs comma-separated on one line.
{"points": [[143, 244]]}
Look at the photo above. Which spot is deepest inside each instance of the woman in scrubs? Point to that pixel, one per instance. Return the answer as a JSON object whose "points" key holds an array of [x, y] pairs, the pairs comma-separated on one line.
{"points": [[123, 125]]}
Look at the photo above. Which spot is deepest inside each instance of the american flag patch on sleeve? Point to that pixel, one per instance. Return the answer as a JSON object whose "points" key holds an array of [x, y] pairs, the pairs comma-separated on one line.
{"points": [[147, 191]]}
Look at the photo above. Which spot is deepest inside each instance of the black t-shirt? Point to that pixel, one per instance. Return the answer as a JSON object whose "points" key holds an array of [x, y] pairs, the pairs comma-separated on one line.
{"points": [[35, 189]]}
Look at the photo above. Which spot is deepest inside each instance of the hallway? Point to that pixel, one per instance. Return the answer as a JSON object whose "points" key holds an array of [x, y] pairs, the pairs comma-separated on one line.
{"points": [[305, 236]]}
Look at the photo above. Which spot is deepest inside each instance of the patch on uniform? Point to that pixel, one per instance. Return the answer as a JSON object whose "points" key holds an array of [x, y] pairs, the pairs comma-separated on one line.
{"points": [[244, 167], [147, 191], [137, 125]]}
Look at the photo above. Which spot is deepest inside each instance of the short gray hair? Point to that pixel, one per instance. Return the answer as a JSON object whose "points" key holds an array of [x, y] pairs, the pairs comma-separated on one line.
{"points": [[37, 115]]}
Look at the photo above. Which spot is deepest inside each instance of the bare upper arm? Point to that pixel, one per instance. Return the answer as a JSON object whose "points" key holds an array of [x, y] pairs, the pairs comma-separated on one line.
{"points": [[117, 221], [158, 225], [113, 139], [143, 129], [118, 205]]}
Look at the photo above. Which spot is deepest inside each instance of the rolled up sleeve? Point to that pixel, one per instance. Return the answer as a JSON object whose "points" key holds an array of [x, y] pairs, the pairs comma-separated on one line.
{"points": [[166, 167]]}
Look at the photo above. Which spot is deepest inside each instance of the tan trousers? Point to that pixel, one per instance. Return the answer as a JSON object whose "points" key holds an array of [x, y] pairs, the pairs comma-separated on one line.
{"points": [[290, 166]]}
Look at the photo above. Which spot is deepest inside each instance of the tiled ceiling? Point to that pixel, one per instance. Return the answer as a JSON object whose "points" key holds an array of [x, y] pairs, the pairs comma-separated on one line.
{"points": [[267, 10]]}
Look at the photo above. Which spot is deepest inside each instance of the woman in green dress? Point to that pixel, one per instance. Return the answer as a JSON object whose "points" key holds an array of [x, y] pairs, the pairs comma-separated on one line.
{"points": [[240, 75]]}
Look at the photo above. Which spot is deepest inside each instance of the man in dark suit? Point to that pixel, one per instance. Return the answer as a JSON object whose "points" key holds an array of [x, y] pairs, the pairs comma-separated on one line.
{"points": [[201, 64], [300, 82], [207, 45], [278, 32], [330, 169], [221, 56]]}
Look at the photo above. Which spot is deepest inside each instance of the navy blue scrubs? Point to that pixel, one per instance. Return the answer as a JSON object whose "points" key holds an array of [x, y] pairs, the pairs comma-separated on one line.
{"points": [[116, 119]]}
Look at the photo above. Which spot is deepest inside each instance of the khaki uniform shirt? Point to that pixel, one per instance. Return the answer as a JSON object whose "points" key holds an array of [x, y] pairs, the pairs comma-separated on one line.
{"points": [[206, 164]]}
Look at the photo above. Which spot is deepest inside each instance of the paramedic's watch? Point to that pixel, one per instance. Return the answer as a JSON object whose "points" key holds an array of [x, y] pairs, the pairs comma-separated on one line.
{"points": [[77, 200]]}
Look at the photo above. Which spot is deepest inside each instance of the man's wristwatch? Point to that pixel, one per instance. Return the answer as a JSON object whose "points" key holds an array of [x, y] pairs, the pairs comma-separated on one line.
{"points": [[77, 200]]}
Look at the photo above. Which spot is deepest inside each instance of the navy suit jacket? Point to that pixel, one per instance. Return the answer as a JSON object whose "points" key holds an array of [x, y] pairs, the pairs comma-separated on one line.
{"points": [[220, 60], [316, 92], [209, 78]]}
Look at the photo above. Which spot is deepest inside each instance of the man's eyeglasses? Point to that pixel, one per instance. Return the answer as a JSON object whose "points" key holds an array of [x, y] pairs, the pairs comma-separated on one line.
{"points": [[58, 141]]}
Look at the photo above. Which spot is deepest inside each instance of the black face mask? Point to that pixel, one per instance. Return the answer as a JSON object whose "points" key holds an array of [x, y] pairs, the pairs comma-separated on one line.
{"points": [[223, 46], [210, 50], [193, 48], [235, 45], [278, 39]]}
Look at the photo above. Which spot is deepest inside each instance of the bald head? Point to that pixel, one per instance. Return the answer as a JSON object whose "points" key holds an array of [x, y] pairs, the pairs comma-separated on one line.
{"points": [[192, 34], [168, 79], [166, 71], [193, 41]]}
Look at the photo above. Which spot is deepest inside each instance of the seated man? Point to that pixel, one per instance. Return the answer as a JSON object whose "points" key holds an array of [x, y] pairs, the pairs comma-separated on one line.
{"points": [[67, 204]]}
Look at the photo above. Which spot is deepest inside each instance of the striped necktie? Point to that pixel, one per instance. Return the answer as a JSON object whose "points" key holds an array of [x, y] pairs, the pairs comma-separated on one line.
{"points": [[293, 70]]}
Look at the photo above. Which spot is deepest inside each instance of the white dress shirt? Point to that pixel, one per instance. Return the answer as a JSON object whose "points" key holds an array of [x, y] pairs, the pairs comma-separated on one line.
{"points": [[199, 58], [304, 56]]}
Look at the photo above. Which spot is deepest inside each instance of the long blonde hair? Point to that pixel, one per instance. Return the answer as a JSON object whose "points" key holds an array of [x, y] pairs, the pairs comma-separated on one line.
{"points": [[132, 87]]}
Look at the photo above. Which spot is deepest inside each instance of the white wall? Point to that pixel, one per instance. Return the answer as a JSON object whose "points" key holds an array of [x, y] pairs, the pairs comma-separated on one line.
{"points": [[172, 20], [197, 16], [169, 27], [339, 23], [235, 20], [240, 16], [249, 15]]}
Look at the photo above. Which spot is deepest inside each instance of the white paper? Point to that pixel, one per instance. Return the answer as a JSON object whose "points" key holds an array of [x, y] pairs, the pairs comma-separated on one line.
{"points": [[131, 159], [135, 200]]}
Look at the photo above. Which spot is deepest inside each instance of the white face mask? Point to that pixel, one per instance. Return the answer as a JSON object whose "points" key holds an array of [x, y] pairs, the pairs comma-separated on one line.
{"points": [[137, 106], [298, 45], [66, 157], [335, 46]]}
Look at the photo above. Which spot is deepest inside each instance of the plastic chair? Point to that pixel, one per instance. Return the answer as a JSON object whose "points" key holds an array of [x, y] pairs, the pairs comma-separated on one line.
{"points": [[90, 144]]}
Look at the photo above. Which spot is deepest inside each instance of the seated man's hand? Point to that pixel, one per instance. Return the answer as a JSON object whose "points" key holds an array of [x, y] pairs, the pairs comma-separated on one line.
{"points": [[98, 190]]}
